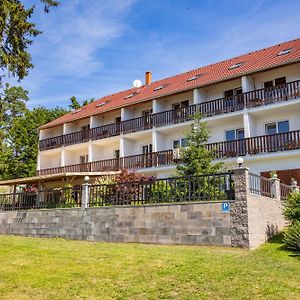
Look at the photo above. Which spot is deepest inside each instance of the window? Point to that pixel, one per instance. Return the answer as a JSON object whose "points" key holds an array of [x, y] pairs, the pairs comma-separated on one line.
{"points": [[280, 81], [235, 65], [102, 104], [147, 149], [117, 153], [277, 127], [235, 134], [180, 143], [83, 159], [147, 112], [194, 77], [233, 92], [158, 88], [285, 51], [85, 127], [275, 82], [180, 105]]}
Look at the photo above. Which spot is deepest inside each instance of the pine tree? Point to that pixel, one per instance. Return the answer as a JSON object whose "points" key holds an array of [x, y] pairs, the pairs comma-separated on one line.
{"points": [[196, 159]]}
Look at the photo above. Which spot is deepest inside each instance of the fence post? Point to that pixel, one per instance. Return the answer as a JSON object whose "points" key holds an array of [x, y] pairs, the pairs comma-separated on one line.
{"points": [[239, 210], [241, 183], [275, 188], [85, 194]]}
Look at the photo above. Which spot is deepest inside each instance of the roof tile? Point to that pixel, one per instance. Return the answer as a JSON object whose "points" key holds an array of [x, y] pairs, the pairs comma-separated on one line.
{"points": [[252, 62]]}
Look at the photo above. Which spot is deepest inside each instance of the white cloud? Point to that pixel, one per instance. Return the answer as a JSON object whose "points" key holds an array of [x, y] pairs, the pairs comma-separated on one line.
{"points": [[74, 32]]}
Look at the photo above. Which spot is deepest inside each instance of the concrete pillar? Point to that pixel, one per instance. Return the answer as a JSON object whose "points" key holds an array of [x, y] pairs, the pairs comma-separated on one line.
{"points": [[62, 157], [122, 145], [90, 151], [199, 96], [247, 84], [38, 164], [85, 194], [249, 125], [154, 140]]}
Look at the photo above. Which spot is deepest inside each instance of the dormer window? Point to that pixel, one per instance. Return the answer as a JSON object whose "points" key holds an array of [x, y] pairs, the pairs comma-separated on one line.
{"points": [[101, 104], [158, 88], [284, 52], [129, 96], [194, 77], [236, 65]]}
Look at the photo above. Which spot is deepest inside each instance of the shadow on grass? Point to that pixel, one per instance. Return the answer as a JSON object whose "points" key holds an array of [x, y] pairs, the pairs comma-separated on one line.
{"points": [[278, 239]]}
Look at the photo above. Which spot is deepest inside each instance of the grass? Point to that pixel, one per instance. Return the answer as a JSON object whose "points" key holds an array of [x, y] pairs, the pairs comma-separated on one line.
{"points": [[32, 268]]}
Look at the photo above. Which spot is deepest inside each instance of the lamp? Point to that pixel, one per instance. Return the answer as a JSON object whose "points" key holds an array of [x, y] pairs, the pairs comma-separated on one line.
{"points": [[240, 161], [86, 178]]}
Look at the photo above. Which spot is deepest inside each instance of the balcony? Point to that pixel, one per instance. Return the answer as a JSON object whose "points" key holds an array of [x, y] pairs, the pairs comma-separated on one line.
{"points": [[250, 146], [154, 159], [225, 105], [257, 145]]}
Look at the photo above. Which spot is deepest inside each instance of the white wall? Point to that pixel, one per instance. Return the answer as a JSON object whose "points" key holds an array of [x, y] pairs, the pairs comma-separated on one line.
{"points": [[51, 132], [216, 91], [166, 103], [291, 72]]}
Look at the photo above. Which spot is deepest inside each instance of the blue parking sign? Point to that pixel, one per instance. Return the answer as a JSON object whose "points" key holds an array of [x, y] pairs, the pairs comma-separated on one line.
{"points": [[225, 207]]}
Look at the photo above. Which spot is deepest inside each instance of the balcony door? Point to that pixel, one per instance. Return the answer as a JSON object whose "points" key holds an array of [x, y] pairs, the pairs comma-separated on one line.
{"points": [[235, 142], [233, 99], [180, 111], [277, 137], [83, 159], [85, 130], [147, 118], [118, 125], [275, 90], [147, 155]]}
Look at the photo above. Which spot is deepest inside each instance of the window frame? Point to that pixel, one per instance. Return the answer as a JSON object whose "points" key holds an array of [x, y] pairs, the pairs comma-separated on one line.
{"points": [[180, 142], [276, 122], [235, 133]]}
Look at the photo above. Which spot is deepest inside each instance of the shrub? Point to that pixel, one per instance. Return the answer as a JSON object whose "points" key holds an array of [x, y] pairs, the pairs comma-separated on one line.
{"points": [[292, 207], [292, 237]]}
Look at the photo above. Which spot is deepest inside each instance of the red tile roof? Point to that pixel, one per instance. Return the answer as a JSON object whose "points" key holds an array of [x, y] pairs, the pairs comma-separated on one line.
{"points": [[251, 63]]}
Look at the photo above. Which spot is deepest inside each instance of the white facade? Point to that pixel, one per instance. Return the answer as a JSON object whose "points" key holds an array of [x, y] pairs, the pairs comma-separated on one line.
{"points": [[282, 116]]}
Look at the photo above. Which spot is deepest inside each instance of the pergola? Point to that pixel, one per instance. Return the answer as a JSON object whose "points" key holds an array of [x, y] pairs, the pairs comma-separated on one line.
{"points": [[61, 179]]}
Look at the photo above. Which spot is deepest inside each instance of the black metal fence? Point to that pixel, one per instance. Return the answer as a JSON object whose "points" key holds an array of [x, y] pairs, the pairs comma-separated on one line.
{"points": [[259, 185], [214, 187], [54, 198]]}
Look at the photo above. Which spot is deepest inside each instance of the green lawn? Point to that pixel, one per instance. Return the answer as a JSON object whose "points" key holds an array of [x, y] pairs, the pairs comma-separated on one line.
{"points": [[58, 269]]}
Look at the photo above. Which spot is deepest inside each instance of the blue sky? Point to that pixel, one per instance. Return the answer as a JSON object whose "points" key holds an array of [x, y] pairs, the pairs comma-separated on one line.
{"points": [[92, 48]]}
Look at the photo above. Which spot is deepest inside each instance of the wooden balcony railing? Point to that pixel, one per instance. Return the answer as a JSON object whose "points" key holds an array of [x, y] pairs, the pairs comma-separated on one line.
{"points": [[249, 146], [154, 159], [256, 145], [255, 98]]}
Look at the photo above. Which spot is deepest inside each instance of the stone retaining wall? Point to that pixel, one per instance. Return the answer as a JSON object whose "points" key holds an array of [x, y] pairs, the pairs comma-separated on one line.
{"points": [[251, 220], [192, 223]]}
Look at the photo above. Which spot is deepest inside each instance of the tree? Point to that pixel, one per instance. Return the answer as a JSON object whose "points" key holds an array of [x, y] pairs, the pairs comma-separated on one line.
{"points": [[20, 158], [17, 33], [291, 213], [196, 159], [75, 103], [12, 104]]}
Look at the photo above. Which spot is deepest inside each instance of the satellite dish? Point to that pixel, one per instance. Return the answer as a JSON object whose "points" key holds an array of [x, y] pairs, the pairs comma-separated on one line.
{"points": [[137, 83]]}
